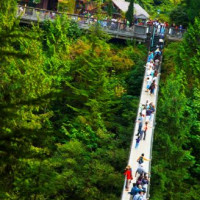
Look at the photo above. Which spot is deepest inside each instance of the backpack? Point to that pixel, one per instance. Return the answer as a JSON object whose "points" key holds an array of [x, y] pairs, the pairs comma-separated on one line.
{"points": [[152, 86], [140, 161]]}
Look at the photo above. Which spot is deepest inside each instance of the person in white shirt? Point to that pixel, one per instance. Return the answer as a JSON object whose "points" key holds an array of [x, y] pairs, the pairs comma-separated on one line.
{"points": [[151, 63], [149, 70], [158, 29], [149, 81]]}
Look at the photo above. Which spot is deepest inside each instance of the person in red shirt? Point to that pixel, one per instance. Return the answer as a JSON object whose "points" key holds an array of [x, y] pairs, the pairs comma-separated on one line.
{"points": [[129, 177]]}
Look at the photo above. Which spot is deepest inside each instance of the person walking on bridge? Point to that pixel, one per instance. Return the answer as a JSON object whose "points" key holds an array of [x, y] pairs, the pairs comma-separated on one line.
{"points": [[141, 159], [152, 108], [145, 128], [150, 56], [157, 64], [152, 87], [145, 182], [135, 190], [143, 131], [148, 114], [149, 80], [129, 177], [140, 121], [137, 142], [141, 171], [139, 196], [157, 52]]}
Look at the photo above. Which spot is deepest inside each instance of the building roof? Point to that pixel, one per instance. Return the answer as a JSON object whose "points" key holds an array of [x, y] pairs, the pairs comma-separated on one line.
{"points": [[138, 10]]}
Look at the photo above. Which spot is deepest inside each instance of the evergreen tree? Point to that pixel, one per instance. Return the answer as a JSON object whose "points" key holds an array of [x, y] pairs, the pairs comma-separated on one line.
{"points": [[110, 8], [177, 131], [130, 12], [66, 110], [193, 8], [171, 161], [179, 16]]}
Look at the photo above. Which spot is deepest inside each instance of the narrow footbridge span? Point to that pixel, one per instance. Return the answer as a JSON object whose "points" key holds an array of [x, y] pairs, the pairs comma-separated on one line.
{"points": [[145, 146]]}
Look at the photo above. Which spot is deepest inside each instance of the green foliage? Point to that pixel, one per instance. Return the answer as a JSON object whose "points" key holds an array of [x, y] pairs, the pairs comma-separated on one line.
{"points": [[7, 14], [193, 9], [171, 160], [146, 4], [66, 110], [179, 16], [67, 6], [176, 158], [189, 54], [110, 8], [130, 12], [23, 109], [185, 12]]}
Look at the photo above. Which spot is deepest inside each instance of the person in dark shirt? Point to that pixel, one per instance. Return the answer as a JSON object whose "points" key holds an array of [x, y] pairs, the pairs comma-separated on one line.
{"points": [[148, 114], [137, 142], [145, 182], [140, 121], [135, 190]]}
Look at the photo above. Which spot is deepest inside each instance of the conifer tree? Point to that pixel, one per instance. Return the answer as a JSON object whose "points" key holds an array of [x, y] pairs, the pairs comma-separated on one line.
{"points": [[176, 144], [65, 110], [130, 12], [110, 8]]}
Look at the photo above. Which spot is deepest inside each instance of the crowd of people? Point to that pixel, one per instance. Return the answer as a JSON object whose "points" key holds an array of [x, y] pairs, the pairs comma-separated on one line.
{"points": [[146, 114], [113, 23], [160, 24], [139, 188], [147, 110], [173, 29]]}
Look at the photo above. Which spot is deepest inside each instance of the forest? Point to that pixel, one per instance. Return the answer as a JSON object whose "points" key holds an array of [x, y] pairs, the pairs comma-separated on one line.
{"points": [[176, 160], [69, 101]]}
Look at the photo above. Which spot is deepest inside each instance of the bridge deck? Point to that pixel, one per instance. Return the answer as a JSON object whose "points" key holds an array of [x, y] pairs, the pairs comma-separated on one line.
{"points": [[144, 146]]}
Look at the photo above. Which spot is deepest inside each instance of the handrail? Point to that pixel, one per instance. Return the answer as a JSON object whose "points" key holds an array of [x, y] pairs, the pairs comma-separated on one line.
{"points": [[108, 23], [154, 124], [176, 32], [74, 15], [113, 27], [152, 40]]}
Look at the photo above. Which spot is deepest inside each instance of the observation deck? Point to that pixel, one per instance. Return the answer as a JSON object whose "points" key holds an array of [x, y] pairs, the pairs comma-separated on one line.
{"points": [[114, 28]]}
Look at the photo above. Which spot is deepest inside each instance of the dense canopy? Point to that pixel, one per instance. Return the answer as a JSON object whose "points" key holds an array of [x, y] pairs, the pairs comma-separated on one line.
{"points": [[69, 99]]}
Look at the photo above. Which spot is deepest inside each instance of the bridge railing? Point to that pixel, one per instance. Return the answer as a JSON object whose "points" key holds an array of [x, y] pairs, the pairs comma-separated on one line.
{"points": [[112, 26], [171, 32], [176, 33]]}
